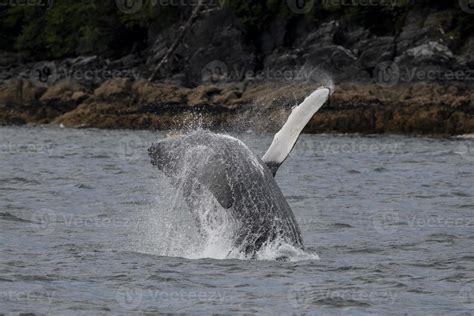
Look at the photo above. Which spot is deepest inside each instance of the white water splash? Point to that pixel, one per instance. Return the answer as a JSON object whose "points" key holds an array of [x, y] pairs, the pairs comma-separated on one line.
{"points": [[201, 227]]}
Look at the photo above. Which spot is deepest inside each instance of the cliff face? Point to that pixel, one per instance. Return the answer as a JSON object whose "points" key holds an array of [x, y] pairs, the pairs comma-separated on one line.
{"points": [[384, 42], [403, 68]]}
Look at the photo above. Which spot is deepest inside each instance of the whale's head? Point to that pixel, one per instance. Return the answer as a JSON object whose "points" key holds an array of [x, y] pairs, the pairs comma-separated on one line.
{"points": [[172, 154], [168, 154]]}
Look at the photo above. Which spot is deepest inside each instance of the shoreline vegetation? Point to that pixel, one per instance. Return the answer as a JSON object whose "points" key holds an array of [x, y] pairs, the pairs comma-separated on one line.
{"points": [[403, 67], [365, 108]]}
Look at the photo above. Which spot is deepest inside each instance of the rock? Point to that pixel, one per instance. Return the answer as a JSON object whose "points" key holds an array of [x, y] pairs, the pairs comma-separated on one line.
{"points": [[339, 62], [282, 60], [64, 91], [114, 88], [376, 50], [203, 45], [422, 27], [9, 59], [227, 98], [79, 97], [323, 36], [350, 37], [128, 62], [153, 93], [19, 92], [427, 62], [202, 95], [84, 61], [432, 52], [466, 54]]}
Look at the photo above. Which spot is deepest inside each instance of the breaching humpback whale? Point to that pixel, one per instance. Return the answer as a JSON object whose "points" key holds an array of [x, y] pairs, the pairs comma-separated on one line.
{"points": [[203, 162]]}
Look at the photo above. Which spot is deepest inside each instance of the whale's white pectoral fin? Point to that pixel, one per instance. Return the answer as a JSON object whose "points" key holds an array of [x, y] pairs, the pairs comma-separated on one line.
{"points": [[285, 139]]}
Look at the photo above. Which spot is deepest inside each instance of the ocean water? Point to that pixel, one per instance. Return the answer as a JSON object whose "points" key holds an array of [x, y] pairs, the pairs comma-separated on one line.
{"points": [[89, 226]]}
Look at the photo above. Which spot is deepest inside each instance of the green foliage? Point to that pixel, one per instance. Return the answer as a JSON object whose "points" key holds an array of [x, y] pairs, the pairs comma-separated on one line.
{"points": [[23, 24], [151, 13], [72, 27], [71, 24]]}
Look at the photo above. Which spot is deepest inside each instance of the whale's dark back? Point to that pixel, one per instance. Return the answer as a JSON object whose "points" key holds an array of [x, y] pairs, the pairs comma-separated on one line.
{"points": [[238, 179]]}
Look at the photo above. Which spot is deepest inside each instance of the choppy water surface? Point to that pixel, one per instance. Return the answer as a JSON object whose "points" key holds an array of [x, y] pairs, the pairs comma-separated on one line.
{"points": [[87, 225]]}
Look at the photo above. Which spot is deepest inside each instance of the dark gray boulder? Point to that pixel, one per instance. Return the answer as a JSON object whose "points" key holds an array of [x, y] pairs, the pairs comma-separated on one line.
{"points": [[376, 50]]}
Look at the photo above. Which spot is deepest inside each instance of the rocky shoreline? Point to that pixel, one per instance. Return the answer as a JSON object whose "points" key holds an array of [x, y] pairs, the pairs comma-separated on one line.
{"points": [[418, 108], [415, 77]]}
